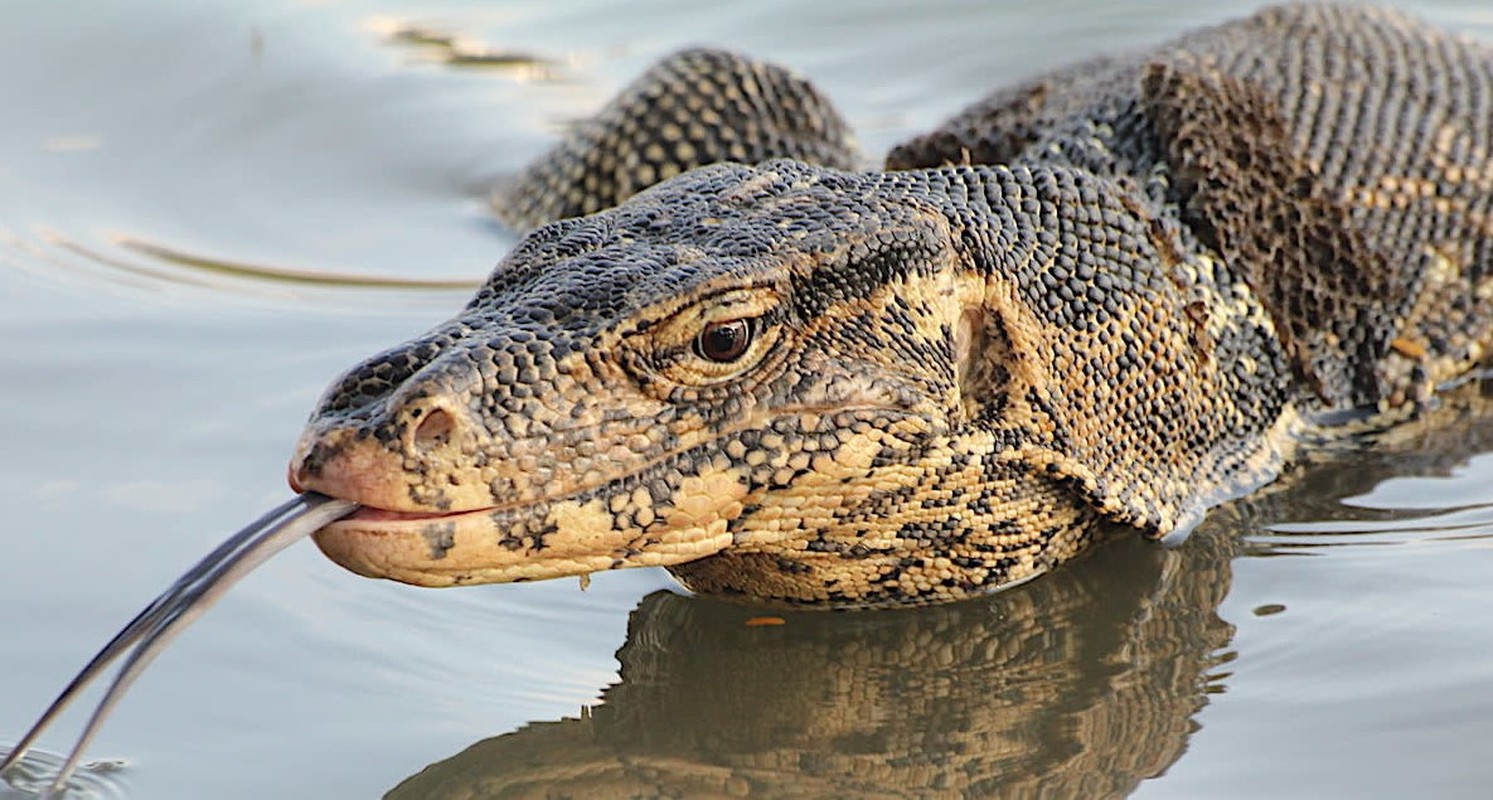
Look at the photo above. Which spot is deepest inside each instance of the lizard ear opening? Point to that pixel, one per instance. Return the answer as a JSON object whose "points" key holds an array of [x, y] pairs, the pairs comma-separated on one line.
{"points": [[1127, 396], [981, 352], [1018, 392], [1012, 384]]}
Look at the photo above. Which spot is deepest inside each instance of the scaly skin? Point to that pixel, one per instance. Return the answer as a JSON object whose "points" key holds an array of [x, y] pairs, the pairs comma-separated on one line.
{"points": [[819, 387]]}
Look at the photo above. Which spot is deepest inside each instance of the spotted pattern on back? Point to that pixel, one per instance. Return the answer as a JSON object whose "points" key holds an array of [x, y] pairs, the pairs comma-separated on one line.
{"points": [[1337, 156]]}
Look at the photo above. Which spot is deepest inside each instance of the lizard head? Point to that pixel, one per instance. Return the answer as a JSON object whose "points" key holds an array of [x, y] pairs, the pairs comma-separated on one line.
{"points": [[628, 386], [767, 379]]}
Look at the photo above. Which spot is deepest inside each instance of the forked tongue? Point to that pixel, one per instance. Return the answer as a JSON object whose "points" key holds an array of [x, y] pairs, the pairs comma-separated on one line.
{"points": [[158, 623]]}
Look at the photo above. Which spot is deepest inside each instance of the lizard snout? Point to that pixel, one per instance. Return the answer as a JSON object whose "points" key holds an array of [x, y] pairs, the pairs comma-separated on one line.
{"points": [[415, 458]]}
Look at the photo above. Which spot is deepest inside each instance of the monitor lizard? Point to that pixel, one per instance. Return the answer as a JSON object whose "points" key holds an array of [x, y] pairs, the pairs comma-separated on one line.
{"points": [[1104, 299]]}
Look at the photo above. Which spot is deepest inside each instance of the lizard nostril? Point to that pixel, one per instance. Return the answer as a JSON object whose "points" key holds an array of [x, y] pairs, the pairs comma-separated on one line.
{"points": [[434, 430]]}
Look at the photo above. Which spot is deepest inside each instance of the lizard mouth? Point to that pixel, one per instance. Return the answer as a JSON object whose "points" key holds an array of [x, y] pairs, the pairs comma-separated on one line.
{"points": [[575, 535], [372, 514]]}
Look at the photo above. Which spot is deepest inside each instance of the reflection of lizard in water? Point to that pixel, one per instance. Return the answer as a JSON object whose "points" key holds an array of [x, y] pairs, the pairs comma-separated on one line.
{"points": [[1082, 684], [1146, 278], [1078, 685]]}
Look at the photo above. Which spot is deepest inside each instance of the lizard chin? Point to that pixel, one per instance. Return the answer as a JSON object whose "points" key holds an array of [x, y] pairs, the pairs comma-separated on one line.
{"points": [[466, 548], [566, 536], [415, 548]]}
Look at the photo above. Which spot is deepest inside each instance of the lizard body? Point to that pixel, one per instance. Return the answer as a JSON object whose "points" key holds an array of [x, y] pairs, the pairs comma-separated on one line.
{"points": [[1104, 299]]}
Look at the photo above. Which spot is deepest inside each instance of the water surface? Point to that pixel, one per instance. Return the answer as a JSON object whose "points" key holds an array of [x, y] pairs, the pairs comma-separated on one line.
{"points": [[1327, 638]]}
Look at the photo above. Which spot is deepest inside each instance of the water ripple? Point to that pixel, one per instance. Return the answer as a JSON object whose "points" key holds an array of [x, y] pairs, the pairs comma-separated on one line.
{"points": [[94, 780]]}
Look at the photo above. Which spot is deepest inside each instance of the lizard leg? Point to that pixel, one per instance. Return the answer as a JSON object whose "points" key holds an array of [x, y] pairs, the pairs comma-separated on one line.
{"points": [[694, 108]]}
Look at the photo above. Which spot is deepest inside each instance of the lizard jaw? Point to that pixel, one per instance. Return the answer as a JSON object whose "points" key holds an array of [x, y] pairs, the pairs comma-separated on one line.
{"points": [[474, 547], [410, 547], [459, 535]]}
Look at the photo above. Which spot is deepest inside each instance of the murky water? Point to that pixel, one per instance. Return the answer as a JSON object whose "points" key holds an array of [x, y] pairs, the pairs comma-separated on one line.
{"points": [[1326, 638]]}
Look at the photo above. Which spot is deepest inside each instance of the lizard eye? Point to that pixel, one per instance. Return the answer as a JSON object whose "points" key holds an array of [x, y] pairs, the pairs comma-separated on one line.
{"points": [[725, 341]]}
